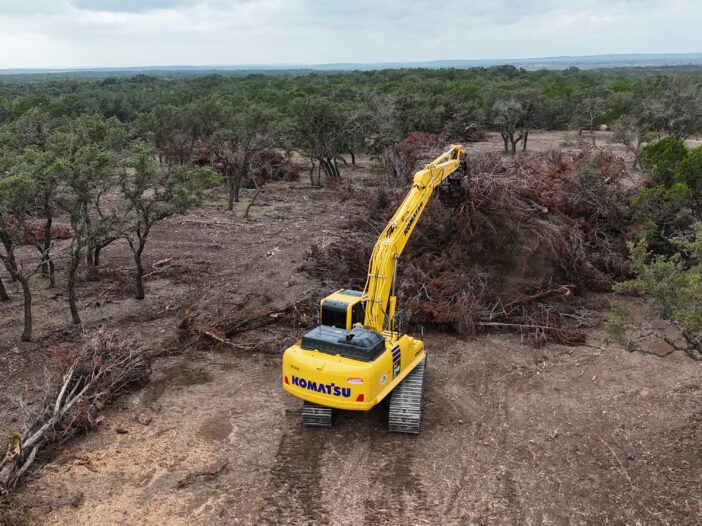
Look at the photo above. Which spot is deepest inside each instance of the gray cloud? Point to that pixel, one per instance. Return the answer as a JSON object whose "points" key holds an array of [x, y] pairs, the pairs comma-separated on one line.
{"points": [[131, 6], [65, 33], [31, 7]]}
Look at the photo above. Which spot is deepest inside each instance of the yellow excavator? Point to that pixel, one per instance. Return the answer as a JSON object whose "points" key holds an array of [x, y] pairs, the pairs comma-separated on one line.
{"points": [[357, 356]]}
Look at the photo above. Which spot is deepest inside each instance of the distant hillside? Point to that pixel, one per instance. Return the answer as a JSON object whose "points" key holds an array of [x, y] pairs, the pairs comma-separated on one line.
{"points": [[555, 63]]}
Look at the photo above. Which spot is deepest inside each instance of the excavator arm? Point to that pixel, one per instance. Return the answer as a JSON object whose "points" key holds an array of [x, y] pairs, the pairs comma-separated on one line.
{"points": [[379, 293]]}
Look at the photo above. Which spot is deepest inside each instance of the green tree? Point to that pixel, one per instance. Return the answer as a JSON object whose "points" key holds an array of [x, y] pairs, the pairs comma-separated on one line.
{"points": [[672, 104], [28, 142], [42, 167], [86, 166], [17, 192], [317, 132], [590, 105], [535, 113], [247, 131], [629, 131], [358, 127], [507, 115], [152, 193], [463, 117], [384, 128], [167, 126]]}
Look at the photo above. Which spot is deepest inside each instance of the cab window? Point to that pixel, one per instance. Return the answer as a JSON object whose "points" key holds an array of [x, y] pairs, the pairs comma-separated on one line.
{"points": [[334, 317], [358, 313]]}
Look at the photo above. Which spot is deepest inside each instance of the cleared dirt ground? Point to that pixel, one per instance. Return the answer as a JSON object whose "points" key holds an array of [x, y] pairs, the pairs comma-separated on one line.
{"points": [[511, 434]]}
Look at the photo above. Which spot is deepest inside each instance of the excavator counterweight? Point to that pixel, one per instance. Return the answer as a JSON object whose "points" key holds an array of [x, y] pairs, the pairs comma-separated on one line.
{"points": [[357, 357]]}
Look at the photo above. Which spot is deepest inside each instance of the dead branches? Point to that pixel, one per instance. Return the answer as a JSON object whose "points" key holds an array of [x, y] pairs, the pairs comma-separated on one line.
{"points": [[401, 160], [243, 318], [531, 235], [103, 368]]}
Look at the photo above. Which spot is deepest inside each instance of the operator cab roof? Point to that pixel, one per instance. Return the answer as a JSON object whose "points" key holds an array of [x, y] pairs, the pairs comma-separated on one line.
{"points": [[345, 295], [356, 344]]}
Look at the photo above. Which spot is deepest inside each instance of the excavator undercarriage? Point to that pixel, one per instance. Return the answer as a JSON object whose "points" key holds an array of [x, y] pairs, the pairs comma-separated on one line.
{"points": [[405, 414]]}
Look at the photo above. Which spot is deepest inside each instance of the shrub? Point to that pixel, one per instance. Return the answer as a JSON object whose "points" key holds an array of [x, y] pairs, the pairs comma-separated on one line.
{"points": [[662, 214], [617, 321], [673, 284], [660, 159], [689, 171]]}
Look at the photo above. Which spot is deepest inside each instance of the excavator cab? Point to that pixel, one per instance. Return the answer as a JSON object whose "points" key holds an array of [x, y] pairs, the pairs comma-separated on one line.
{"points": [[342, 309]]}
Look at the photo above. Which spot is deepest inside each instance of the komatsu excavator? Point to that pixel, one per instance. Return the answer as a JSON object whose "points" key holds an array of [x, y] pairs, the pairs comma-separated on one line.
{"points": [[357, 356]]}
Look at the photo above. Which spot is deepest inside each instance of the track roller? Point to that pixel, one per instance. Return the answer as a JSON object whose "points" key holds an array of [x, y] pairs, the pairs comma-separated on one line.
{"points": [[314, 415], [406, 402]]}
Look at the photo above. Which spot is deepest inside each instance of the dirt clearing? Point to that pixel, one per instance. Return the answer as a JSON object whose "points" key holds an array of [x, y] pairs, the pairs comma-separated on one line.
{"points": [[511, 434]]}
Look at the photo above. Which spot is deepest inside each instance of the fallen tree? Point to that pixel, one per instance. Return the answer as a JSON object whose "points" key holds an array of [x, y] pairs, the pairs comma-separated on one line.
{"points": [[529, 238], [104, 367], [222, 329]]}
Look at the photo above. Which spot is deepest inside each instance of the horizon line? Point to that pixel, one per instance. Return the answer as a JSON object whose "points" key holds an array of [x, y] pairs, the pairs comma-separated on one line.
{"points": [[313, 65]]}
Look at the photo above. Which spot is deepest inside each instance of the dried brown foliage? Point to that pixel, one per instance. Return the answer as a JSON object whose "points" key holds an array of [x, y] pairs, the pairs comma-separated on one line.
{"points": [[529, 238], [224, 327], [266, 165], [272, 165], [463, 132], [33, 231], [103, 368], [402, 159]]}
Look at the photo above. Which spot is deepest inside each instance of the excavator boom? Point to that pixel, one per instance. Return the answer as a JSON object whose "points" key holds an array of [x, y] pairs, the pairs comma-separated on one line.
{"points": [[379, 289]]}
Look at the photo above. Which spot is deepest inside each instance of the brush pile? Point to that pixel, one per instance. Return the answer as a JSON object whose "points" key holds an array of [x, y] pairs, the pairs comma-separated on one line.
{"points": [[238, 327], [531, 236], [463, 133], [402, 160], [33, 232], [104, 367], [266, 165], [272, 165]]}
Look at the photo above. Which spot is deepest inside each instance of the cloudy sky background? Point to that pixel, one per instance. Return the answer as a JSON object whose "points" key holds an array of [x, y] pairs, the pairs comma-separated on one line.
{"points": [[104, 33]]}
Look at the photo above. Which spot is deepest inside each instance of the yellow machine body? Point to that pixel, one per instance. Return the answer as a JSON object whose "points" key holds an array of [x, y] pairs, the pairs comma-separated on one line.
{"points": [[356, 357], [344, 383]]}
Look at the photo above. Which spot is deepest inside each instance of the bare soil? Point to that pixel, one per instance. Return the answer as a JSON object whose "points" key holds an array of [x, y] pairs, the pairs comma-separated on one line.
{"points": [[511, 434]]}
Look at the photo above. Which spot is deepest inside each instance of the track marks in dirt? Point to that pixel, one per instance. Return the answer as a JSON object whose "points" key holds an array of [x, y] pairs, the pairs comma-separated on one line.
{"points": [[178, 375], [397, 493], [294, 493], [488, 434]]}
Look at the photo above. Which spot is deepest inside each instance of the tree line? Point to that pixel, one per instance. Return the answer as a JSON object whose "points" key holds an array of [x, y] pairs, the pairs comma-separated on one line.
{"points": [[117, 155]]}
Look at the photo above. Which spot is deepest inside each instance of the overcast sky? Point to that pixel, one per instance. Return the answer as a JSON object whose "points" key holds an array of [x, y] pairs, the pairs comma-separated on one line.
{"points": [[91, 33]]}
